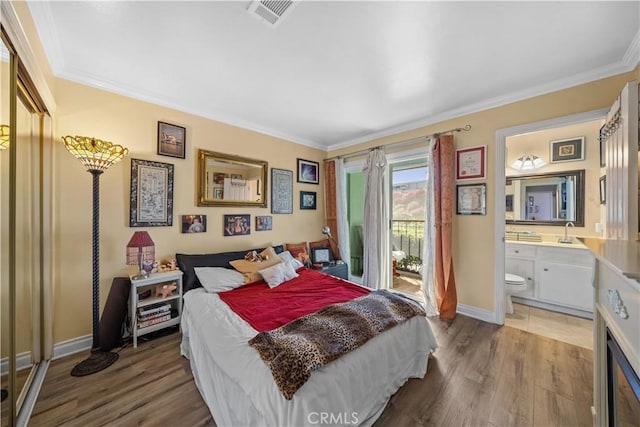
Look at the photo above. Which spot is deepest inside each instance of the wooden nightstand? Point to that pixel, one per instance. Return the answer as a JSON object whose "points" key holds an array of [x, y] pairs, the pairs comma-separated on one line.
{"points": [[154, 312], [338, 270]]}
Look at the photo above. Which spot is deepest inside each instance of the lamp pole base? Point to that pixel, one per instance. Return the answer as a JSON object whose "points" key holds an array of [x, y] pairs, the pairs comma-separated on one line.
{"points": [[97, 361]]}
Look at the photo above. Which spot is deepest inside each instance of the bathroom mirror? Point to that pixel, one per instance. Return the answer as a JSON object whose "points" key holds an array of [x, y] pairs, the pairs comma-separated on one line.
{"points": [[546, 199], [227, 180]]}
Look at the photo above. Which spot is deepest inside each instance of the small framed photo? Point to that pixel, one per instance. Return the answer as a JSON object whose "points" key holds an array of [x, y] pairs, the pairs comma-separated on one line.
{"points": [[172, 140], [263, 223], [308, 171], [237, 225], [218, 193], [194, 223], [603, 190], [236, 176], [567, 150], [321, 256], [471, 199], [218, 177], [471, 163], [307, 200], [602, 139]]}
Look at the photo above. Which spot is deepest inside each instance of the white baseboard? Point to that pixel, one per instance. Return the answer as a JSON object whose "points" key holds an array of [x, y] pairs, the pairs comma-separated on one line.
{"points": [[477, 313], [23, 361], [61, 349], [72, 346]]}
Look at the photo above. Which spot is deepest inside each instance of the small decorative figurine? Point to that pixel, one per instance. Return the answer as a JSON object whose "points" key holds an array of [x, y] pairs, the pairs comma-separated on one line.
{"points": [[165, 290]]}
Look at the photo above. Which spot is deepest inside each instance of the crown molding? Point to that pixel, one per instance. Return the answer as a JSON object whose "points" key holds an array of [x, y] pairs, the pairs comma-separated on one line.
{"points": [[15, 31]]}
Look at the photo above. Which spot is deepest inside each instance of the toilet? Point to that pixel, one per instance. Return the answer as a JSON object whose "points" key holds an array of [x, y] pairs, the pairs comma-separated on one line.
{"points": [[513, 284]]}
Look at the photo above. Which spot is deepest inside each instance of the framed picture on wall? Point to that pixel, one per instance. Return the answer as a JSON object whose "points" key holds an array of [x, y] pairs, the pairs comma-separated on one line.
{"points": [[194, 223], [471, 199], [263, 223], [281, 191], [471, 163], [171, 140], [307, 200], [237, 225], [567, 150], [308, 171], [151, 196]]}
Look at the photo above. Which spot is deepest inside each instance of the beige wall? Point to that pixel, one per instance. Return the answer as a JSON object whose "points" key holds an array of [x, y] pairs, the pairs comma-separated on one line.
{"points": [[538, 143], [91, 112], [473, 235]]}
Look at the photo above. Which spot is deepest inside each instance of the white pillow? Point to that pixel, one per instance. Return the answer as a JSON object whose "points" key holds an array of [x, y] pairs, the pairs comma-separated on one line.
{"points": [[286, 256], [278, 274], [289, 259], [219, 279]]}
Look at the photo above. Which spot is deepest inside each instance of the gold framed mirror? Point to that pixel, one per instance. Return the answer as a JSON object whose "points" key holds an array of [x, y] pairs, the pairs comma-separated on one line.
{"points": [[228, 180]]}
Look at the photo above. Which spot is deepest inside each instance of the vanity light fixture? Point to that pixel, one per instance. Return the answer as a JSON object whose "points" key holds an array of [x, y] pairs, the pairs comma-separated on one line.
{"points": [[528, 162]]}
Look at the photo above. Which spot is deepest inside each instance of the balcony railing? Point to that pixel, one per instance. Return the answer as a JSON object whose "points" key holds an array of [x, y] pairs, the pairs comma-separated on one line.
{"points": [[408, 237]]}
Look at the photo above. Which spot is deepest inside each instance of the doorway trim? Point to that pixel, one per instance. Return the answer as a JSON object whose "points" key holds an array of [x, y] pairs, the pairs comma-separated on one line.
{"points": [[500, 176]]}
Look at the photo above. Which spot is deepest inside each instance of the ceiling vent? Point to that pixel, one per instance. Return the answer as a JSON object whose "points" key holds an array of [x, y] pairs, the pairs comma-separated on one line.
{"points": [[271, 12]]}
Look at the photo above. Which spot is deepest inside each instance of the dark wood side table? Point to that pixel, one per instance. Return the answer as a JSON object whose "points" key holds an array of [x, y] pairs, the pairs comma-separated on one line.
{"points": [[338, 270]]}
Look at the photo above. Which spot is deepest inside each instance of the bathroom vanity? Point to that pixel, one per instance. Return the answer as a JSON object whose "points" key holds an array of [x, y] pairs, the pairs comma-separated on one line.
{"points": [[559, 276]]}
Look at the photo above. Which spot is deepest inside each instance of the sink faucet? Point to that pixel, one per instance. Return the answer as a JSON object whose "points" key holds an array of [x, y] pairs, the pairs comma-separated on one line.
{"points": [[567, 239]]}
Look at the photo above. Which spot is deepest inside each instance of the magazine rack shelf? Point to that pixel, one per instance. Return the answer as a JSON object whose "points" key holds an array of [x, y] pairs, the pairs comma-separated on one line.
{"points": [[150, 312]]}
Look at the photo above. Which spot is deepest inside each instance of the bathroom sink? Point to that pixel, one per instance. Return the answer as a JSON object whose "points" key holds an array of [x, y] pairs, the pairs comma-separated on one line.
{"points": [[566, 241]]}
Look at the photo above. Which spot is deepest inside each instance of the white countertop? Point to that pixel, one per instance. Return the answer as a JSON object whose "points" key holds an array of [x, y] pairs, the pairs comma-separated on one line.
{"points": [[621, 255], [551, 241]]}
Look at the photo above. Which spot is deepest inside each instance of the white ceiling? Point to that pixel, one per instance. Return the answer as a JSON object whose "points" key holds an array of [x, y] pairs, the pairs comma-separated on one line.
{"points": [[334, 74]]}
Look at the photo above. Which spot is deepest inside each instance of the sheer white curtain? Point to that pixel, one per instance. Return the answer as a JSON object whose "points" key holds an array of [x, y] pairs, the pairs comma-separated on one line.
{"points": [[377, 255], [428, 250], [341, 211]]}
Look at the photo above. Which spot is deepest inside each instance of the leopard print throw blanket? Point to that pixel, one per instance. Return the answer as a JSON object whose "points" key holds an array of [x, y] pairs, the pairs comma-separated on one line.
{"points": [[293, 350]]}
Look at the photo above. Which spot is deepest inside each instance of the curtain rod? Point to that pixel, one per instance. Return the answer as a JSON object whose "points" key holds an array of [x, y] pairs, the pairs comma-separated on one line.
{"points": [[399, 143]]}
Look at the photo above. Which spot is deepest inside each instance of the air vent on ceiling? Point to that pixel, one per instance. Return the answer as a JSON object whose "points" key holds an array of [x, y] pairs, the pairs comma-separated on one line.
{"points": [[271, 12]]}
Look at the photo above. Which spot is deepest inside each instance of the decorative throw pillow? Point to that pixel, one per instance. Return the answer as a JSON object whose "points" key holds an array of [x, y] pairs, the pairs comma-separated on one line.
{"points": [[298, 251], [278, 274], [219, 279], [250, 269], [288, 259]]}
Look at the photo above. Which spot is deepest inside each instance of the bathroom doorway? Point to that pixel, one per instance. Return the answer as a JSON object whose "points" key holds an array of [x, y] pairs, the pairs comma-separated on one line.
{"points": [[544, 202]]}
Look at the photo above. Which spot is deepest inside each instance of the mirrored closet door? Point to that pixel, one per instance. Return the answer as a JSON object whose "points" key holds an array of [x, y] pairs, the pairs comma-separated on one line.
{"points": [[24, 219]]}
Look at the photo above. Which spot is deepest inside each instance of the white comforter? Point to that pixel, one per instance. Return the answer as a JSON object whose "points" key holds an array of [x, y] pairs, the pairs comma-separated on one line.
{"points": [[240, 391]]}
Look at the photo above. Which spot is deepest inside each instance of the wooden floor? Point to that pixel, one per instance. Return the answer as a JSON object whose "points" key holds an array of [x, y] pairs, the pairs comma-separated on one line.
{"points": [[481, 375]]}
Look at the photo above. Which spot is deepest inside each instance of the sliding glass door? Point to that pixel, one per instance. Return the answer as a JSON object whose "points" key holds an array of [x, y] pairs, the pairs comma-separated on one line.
{"points": [[408, 203]]}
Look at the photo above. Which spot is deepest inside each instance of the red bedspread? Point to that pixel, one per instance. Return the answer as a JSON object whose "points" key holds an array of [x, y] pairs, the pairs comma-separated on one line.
{"points": [[266, 309]]}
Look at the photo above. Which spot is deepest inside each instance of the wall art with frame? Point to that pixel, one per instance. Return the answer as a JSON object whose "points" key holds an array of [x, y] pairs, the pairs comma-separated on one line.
{"points": [[308, 171], [281, 191], [471, 199], [567, 150], [172, 140], [194, 223], [151, 196], [471, 163], [237, 225], [603, 189], [264, 223], [308, 200]]}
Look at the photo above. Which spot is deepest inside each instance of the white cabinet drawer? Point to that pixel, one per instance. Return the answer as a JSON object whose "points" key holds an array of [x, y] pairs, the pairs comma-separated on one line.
{"points": [[566, 255], [524, 251]]}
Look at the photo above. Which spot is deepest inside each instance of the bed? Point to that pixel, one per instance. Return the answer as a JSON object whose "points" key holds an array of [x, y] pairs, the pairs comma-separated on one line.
{"points": [[239, 388]]}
